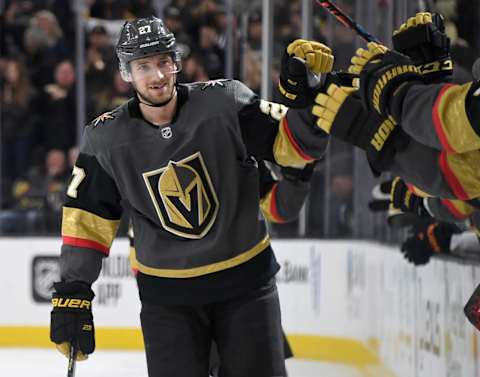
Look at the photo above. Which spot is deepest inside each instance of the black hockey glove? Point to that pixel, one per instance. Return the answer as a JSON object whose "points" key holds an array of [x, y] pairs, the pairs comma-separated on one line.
{"points": [[423, 39], [402, 198], [71, 318], [340, 113], [302, 65], [428, 239], [382, 73], [381, 202]]}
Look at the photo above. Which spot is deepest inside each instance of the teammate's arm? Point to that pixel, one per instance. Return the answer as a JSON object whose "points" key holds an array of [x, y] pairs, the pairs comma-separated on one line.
{"points": [[442, 174], [287, 136], [443, 116], [273, 132], [281, 200]]}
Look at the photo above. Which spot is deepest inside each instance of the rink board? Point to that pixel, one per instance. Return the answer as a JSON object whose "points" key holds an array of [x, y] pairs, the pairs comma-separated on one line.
{"points": [[351, 302]]}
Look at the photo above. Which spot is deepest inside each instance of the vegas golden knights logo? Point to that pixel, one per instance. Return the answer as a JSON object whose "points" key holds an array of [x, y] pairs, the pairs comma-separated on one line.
{"points": [[184, 197]]}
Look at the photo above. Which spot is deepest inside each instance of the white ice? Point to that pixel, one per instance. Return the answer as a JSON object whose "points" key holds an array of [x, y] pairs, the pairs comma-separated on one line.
{"points": [[23, 362]]}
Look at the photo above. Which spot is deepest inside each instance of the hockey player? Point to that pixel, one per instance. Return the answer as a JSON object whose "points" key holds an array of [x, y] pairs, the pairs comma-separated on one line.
{"points": [[437, 226], [281, 199], [442, 117], [179, 157], [390, 145]]}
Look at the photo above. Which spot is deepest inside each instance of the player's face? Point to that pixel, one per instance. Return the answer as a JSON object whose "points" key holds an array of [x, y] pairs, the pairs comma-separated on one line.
{"points": [[154, 78]]}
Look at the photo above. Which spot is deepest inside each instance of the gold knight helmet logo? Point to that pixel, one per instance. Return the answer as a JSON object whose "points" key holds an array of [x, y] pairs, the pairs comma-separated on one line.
{"points": [[184, 197]]}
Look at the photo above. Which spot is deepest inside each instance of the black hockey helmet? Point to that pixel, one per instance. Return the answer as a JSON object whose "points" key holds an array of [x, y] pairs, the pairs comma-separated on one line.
{"points": [[144, 37]]}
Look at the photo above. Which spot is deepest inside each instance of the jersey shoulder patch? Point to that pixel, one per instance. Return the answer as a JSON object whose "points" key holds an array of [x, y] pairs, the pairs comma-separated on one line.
{"points": [[203, 85], [109, 115]]}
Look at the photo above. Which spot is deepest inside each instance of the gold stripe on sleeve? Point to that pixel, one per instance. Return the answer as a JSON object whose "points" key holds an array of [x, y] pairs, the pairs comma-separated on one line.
{"points": [[78, 223], [465, 168], [454, 122], [285, 149]]}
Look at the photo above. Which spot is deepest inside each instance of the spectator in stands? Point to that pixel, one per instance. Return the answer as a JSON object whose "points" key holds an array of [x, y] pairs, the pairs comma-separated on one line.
{"points": [[100, 62], [17, 122], [15, 20], [192, 69], [254, 37], [173, 21], [142, 8], [119, 93], [38, 196], [45, 46], [72, 157], [110, 9], [213, 55], [253, 70], [59, 109]]}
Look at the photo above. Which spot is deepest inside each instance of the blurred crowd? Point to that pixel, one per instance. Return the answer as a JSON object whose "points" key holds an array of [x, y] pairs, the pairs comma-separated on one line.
{"points": [[38, 133]]}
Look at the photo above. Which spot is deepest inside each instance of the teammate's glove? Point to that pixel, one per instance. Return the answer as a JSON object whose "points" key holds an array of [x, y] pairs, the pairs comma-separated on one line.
{"points": [[382, 72], [423, 39], [341, 114], [428, 239], [71, 318], [381, 202], [302, 64], [405, 200]]}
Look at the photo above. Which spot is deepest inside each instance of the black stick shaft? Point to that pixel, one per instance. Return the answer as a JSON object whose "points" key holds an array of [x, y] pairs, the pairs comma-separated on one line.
{"points": [[72, 361], [343, 18]]}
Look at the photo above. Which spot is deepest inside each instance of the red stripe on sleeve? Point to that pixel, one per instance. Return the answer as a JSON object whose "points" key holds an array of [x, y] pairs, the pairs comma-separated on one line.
{"points": [[452, 180], [292, 141], [437, 121], [410, 187], [273, 205], [453, 210], [80, 242]]}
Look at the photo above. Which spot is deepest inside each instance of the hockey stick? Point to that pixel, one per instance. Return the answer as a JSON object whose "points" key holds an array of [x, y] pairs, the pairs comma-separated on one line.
{"points": [[72, 360], [343, 18]]}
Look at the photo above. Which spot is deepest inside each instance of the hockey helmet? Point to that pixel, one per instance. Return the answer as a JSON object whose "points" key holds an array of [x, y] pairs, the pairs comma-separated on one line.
{"points": [[145, 37]]}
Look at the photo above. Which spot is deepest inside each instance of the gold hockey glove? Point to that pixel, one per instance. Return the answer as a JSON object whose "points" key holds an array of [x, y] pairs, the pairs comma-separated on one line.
{"points": [[382, 74], [424, 40], [71, 318], [302, 65]]}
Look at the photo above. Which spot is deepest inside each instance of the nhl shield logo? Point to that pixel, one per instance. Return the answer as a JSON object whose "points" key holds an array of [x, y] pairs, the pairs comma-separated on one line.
{"points": [[184, 197], [166, 132]]}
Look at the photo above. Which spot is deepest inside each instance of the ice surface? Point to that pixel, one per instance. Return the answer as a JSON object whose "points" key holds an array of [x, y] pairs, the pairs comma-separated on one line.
{"points": [[26, 362]]}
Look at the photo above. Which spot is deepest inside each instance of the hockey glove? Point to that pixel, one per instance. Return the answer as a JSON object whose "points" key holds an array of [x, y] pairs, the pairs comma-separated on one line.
{"points": [[302, 64], [341, 114], [382, 72], [71, 318], [381, 202], [405, 200], [428, 239], [423, 39]]}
